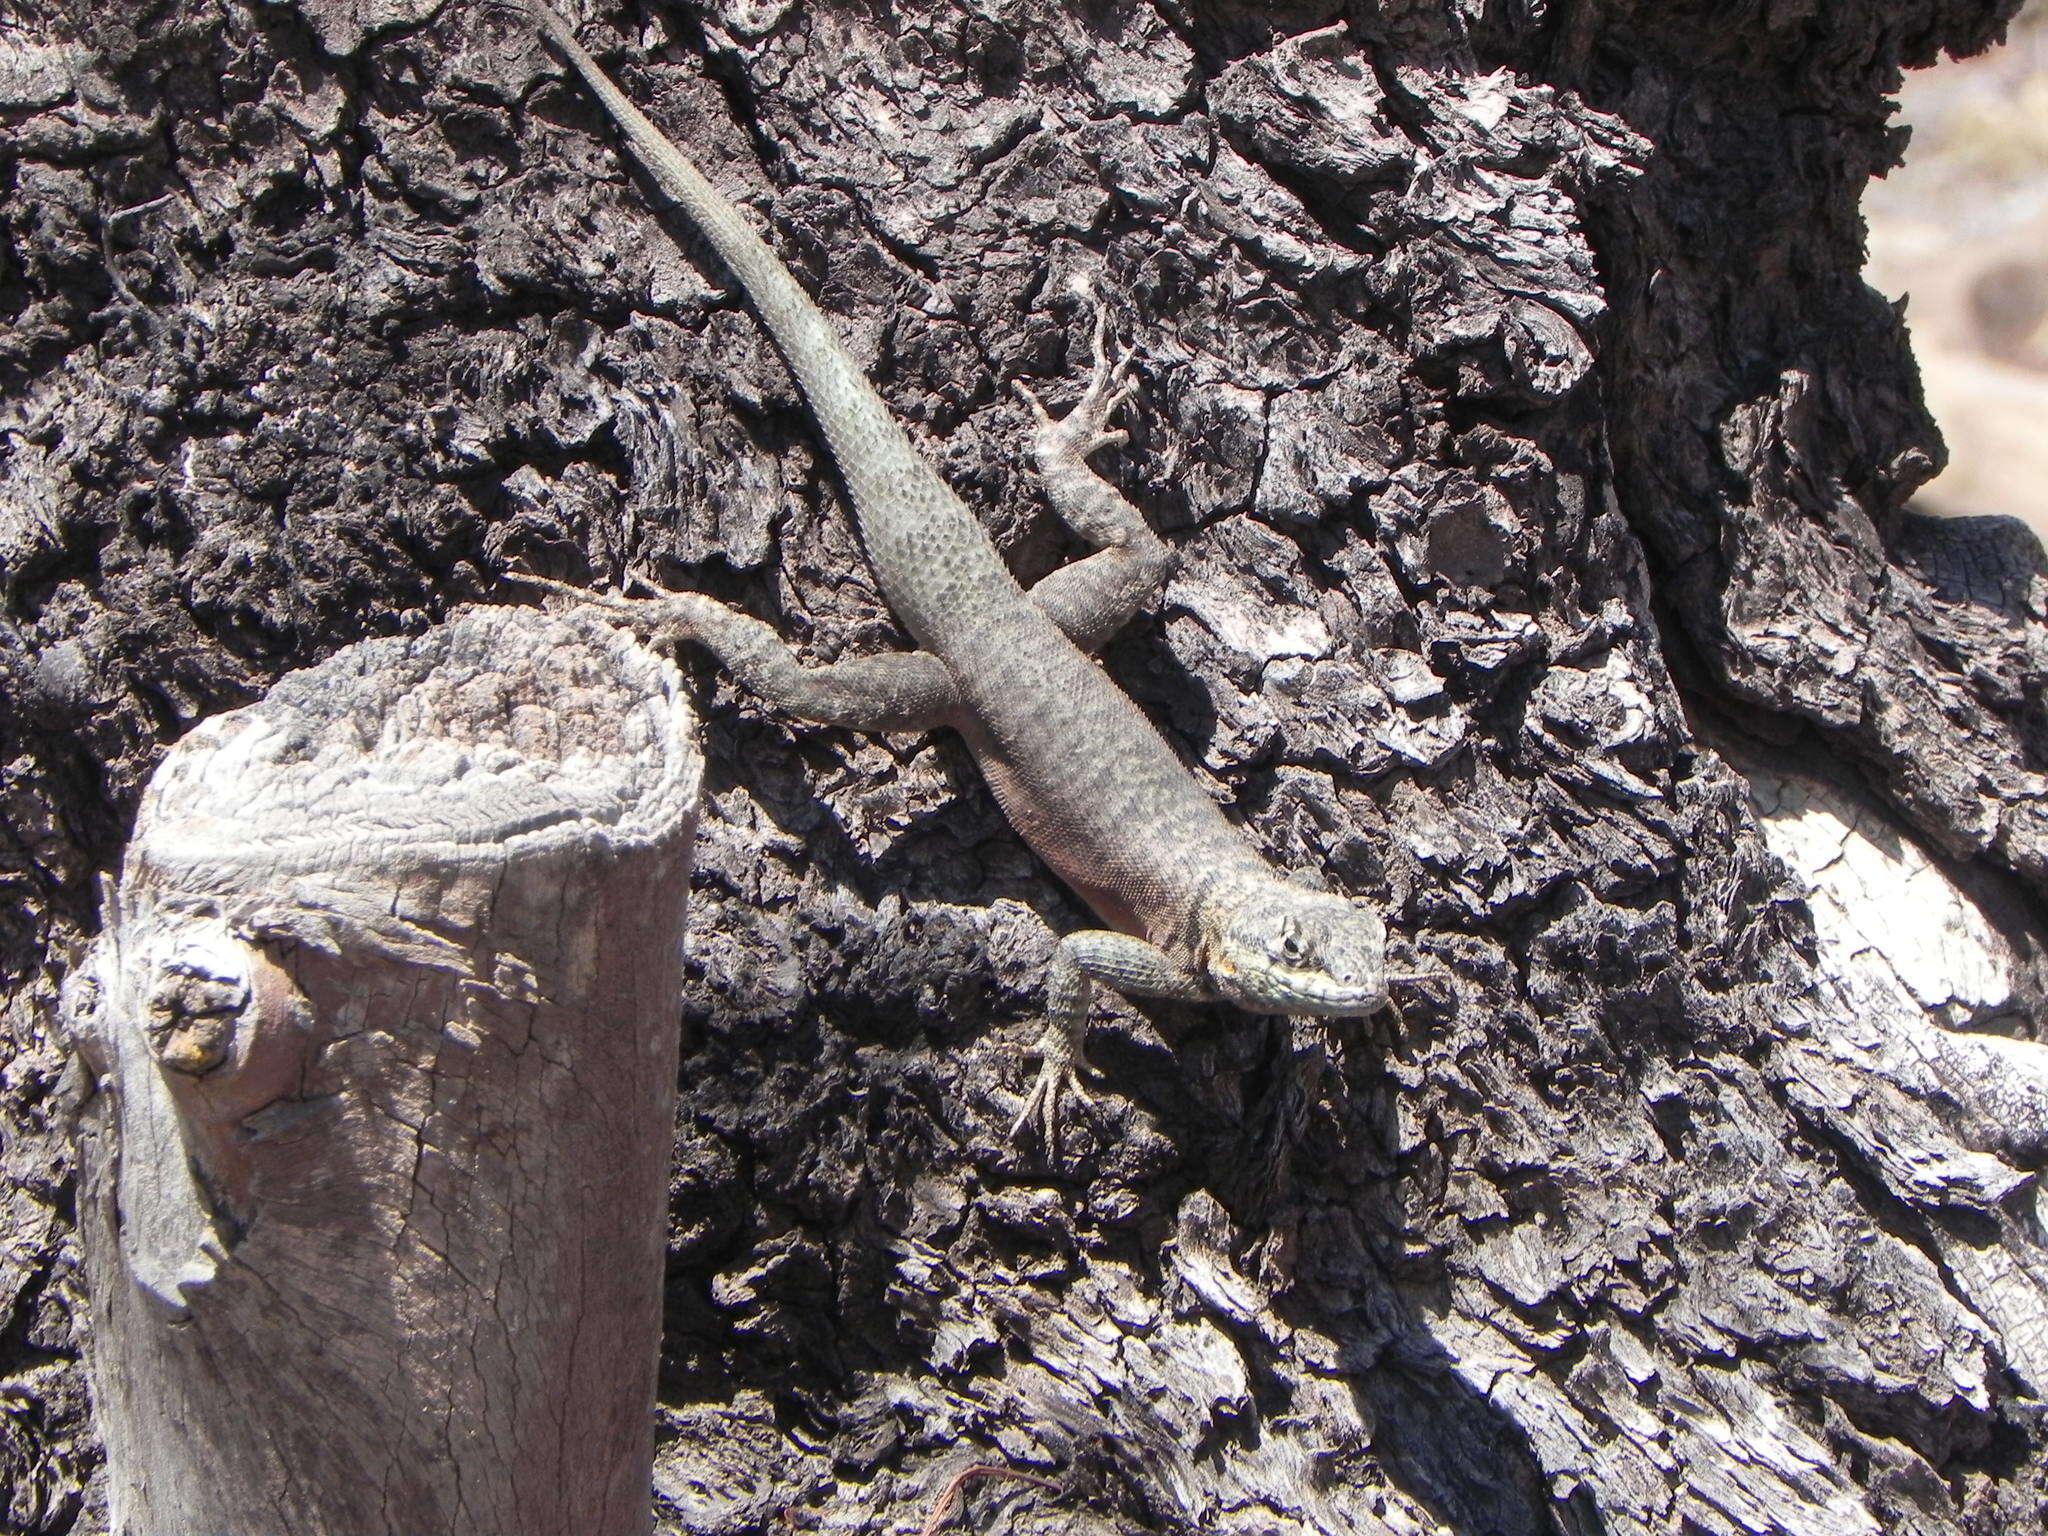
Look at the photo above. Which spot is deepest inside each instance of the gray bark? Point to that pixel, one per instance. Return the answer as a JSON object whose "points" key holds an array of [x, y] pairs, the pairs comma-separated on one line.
{"points": [[381, 1027], [1538, 462]]}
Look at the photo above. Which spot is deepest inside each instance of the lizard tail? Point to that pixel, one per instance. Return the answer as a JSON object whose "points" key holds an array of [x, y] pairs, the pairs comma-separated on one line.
{"points": [[854, 420], [923, 542]]}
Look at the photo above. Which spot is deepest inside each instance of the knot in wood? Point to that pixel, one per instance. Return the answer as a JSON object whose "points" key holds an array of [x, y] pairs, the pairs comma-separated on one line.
{"points": [[192, 1015]]}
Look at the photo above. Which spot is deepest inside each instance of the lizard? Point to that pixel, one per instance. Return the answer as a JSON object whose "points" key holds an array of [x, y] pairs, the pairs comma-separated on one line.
{"points": [[1190, 908]]}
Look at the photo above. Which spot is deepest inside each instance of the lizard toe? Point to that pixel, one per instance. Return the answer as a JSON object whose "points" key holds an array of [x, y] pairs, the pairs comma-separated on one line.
{"points": [[1058, 1080]]}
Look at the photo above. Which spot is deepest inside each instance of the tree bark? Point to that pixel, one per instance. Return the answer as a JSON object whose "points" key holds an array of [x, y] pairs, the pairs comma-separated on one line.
{"points": [[383, 1011], [1539, 464]]}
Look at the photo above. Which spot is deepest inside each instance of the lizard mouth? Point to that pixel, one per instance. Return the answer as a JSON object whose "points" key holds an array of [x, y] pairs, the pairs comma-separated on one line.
{"points": [[1340, 1001], [1300, 992]]}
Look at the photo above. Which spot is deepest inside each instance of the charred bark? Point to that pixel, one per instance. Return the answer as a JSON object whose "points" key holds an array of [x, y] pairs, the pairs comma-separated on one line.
{"points": [[1538, 462]]}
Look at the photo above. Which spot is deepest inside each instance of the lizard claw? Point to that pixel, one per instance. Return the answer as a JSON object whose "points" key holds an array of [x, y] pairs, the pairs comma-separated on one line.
{"points": [[1037, 405]]}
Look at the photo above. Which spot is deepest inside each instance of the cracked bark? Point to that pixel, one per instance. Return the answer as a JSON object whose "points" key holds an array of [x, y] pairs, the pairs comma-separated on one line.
{"points": [[381, 1033], [1539, 462]]}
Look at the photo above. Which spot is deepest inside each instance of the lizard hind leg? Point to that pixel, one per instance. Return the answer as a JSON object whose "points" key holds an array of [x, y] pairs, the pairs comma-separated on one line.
{"points": [[1094, 597], [898, 691]]}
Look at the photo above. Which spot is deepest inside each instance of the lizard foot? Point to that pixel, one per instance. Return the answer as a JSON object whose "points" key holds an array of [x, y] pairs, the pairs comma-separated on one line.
{"points": [[1085, 429], [1059, 1075]]}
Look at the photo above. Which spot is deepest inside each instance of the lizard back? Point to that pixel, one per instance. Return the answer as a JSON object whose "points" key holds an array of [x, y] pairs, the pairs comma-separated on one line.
{"points": [[1083, 775]]}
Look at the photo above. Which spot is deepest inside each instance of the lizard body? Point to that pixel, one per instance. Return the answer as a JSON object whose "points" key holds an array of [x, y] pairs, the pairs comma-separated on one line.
{"points": [[1086, 779]]}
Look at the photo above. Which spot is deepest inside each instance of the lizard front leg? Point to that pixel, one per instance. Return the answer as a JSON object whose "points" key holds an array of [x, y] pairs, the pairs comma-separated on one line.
{"points": [[899, 691], [1094, 597], [1130, 966]]}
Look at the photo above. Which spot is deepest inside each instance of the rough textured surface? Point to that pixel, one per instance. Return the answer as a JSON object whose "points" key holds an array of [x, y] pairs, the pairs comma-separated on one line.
{"points": [[378, 1046], [1512, 396], [1189, 910]]}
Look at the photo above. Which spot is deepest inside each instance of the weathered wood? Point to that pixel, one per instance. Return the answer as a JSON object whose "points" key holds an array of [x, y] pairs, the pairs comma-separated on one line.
{"points": [[384, 1024]]}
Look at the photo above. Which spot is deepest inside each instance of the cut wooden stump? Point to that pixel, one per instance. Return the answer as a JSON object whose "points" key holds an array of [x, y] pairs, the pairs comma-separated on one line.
{"points": [[384, 1019]]}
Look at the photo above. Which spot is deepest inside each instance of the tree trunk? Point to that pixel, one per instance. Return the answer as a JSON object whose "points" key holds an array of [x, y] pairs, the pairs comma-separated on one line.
{"points": [[385, 1009], [1538, 460]]}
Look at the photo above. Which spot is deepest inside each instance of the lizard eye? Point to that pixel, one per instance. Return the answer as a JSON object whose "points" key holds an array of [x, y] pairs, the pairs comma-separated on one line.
{"points": [[1292, 950]]}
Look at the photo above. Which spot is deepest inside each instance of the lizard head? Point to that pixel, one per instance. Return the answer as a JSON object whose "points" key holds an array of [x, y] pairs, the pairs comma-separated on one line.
{"points": [[1281, 949]]}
